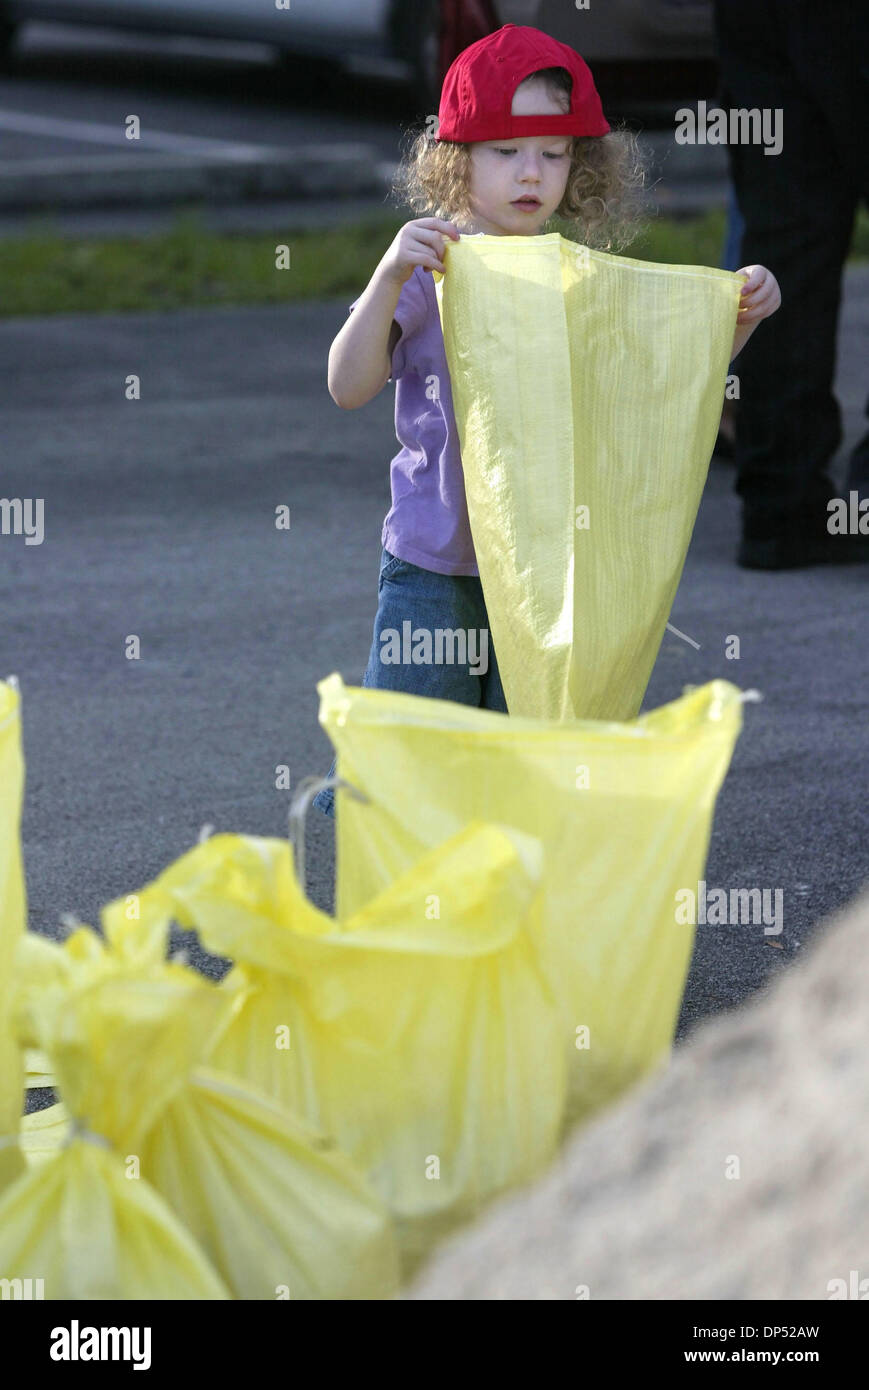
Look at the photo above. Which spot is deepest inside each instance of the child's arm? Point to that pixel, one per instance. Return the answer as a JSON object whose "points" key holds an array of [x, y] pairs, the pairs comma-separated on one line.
{"points": [[360, 358], [760, 298]]}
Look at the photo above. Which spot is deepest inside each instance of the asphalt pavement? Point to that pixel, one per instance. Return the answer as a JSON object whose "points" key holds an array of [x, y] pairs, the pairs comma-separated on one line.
{"points": [[159, 524]]}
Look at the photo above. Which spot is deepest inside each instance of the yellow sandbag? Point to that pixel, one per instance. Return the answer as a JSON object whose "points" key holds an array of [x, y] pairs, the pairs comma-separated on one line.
{"points": [[419, 1031], [43, 1132], [121, 1043], [36, 1069], [80, 1225], [76, 1220], [13, 913], [623, 811], [279, 1209], [581, 380], [125, 1041]]}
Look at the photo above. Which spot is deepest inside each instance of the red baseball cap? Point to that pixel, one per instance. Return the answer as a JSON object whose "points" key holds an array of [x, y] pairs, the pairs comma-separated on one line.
{"points": [[477, 94]]}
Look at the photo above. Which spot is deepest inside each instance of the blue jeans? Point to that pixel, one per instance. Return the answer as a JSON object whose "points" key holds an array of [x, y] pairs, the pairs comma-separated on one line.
{"points": [[426, 602]]}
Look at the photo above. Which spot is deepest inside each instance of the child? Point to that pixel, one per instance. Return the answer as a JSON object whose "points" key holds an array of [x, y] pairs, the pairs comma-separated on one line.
{"points": [[521, 138]]}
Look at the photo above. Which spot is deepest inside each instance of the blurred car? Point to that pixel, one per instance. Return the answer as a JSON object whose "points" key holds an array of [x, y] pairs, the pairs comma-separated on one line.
{"points": [[407, 34], [662, 44]]}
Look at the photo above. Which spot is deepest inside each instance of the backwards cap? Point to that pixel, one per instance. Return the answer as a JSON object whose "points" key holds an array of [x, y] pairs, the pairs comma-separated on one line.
{"points": [[477, 94]]}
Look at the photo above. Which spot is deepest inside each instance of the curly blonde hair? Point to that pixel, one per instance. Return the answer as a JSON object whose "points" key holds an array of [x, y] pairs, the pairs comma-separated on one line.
{"points": [[603, 204]]}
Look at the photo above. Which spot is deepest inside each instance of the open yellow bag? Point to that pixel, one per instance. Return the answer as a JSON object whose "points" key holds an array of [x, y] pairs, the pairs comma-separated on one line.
{"points": [[581, 380], [13, 913], [419, 1030], [623, 811], [175, 1181]]}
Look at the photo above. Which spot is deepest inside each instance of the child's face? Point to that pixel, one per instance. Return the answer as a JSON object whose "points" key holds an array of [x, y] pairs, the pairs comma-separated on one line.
{"points": [[531, 167]]}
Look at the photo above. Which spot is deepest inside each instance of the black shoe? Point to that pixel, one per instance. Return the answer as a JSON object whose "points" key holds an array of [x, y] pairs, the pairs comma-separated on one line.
{"points": [[789, 552]]}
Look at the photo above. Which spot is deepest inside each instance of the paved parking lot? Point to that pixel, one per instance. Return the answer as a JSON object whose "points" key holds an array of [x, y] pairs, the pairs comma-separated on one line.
{"points": [[159, 524]]}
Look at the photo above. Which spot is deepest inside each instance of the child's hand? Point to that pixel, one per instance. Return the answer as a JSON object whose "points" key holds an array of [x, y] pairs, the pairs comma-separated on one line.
{"points": [[760, 297], [420, 242]]}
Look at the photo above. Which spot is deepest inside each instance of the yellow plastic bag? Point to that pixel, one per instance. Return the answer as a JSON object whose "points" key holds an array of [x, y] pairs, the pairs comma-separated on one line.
{"points": [[588, 381], [623, 811], [43, 1132], [13, 913], [75, 1219], [36, 1069], [77, 1223], [275, 1208], [419, 1031], [279, 1209]]}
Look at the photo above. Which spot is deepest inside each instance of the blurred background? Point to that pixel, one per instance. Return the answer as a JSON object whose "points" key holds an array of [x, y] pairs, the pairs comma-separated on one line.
{"points": [[259, 117], [252, 117]]}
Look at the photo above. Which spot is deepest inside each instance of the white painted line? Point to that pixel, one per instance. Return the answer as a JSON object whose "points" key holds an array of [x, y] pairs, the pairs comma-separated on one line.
{"points": [[104, 36], [671, 628], [97, 133]]}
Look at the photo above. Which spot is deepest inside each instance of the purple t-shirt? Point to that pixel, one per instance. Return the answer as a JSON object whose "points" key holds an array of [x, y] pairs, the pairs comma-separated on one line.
{"points": [[427, 523]]}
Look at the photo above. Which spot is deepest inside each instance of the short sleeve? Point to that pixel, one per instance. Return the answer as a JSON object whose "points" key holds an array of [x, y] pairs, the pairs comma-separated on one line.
{"points": [[410, 314]]}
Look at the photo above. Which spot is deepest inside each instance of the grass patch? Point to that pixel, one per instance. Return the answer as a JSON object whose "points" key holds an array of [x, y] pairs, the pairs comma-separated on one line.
{"points": [[47, 273]]}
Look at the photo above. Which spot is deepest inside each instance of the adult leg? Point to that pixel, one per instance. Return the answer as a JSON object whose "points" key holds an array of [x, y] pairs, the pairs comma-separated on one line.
{"points": [[839, 31], [858, 466], [798, 207]]}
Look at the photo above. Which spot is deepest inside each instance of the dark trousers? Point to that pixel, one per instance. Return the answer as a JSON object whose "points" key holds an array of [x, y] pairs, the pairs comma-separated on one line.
{"points": [[810, 60]]}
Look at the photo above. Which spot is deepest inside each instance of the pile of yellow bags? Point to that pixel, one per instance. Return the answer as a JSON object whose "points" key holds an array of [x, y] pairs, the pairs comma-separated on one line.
{"points": [[159, 1176], [418, 1031], [505, 957]]}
